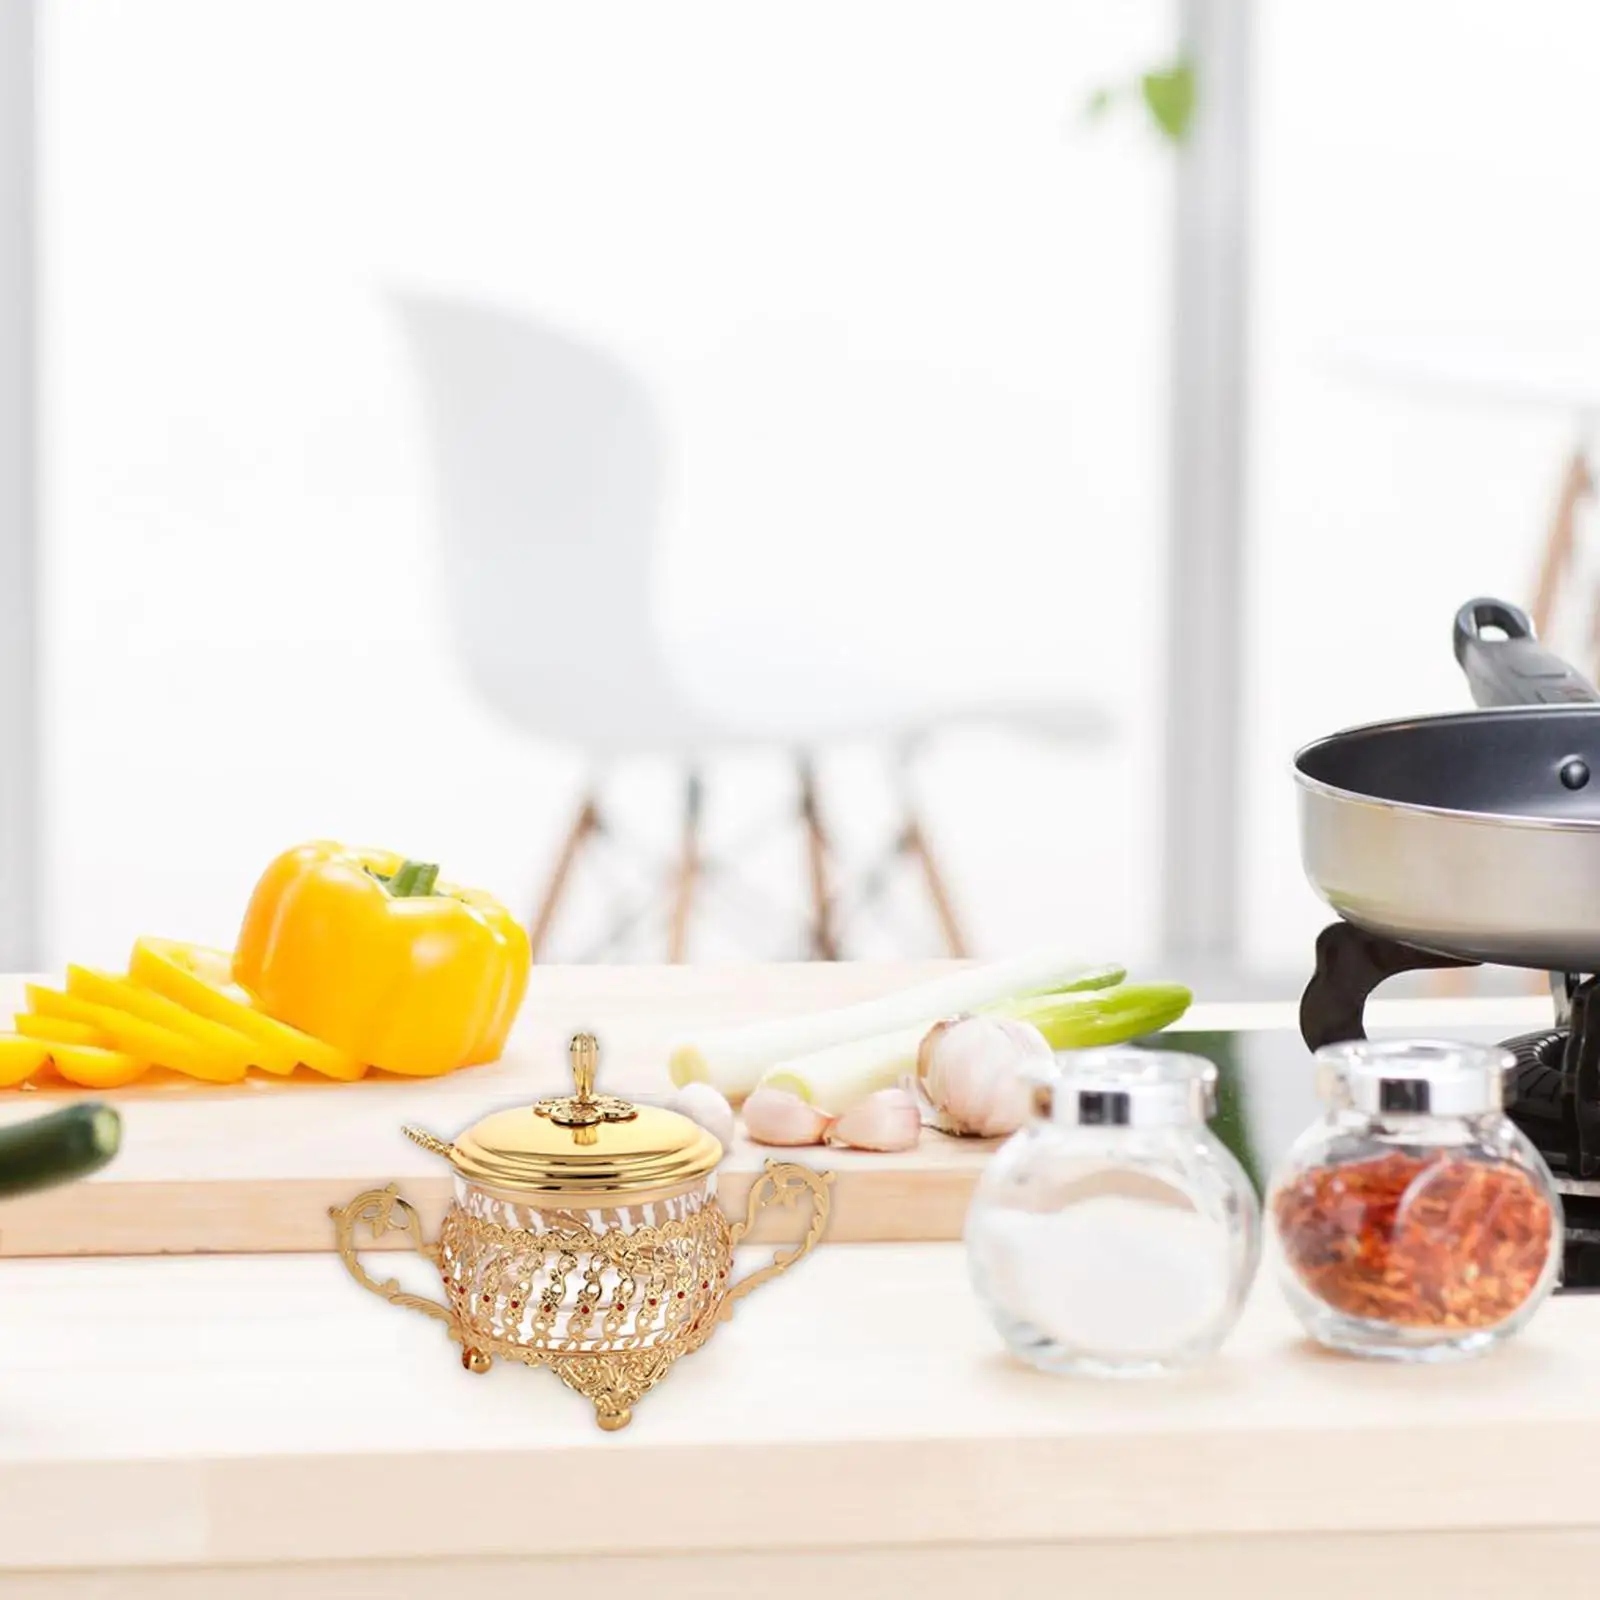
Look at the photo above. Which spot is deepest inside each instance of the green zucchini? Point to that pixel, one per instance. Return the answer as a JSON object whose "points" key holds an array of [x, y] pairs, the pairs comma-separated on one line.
{"points": [[57, 1148]]}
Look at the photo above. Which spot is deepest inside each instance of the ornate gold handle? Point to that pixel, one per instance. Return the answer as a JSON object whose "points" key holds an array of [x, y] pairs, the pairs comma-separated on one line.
{"points": [[384, 1211], [781, 1183]]}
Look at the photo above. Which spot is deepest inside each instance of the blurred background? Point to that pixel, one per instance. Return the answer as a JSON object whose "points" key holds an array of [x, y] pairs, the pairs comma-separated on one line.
{"points": [[795, 464]]}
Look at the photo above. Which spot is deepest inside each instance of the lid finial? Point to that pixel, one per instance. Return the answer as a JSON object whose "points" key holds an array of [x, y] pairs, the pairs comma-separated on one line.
{"points": [[585, 1108], [584, 1050]]}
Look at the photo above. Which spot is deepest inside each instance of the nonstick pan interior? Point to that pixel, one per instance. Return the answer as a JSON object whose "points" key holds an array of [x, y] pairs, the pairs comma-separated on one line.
{"points": [[1538, 762]]}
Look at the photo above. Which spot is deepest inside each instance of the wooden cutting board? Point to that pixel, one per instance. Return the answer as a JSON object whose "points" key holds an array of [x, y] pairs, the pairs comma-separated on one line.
{"points": [[255, 1167]]}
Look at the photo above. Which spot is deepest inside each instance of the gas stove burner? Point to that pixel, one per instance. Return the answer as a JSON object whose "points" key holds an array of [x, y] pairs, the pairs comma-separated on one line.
{"points": [[1350, 965], [1554, 1090], [1539, 1091]]}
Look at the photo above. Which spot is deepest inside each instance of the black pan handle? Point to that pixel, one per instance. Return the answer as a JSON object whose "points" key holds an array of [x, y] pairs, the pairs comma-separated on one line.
{"points": [[1515, 670]]}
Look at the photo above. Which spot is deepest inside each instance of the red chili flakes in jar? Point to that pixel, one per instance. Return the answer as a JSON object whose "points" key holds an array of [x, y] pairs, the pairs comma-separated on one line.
{"points": [[1435, 1241]]}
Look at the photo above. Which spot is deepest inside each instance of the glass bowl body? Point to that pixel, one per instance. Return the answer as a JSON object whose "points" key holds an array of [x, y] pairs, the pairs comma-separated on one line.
{"points": [[585, 1273]]}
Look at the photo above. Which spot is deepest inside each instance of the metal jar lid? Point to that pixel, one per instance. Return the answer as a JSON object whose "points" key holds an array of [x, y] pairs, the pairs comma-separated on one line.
{"points": [[582, 1143], [1125, 1087], [1413, 1077]]}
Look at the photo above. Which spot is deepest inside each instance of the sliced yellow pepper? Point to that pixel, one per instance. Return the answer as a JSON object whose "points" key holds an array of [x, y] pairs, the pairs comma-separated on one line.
{"points": [[23, 1057], [20, 1059], [201, 980], [374, 954], [146, 1041], [102, 989], [58, 1030], [93, 1068]]}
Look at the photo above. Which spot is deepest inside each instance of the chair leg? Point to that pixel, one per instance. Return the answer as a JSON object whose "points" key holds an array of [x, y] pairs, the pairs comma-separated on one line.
{"points": [[824, 946], [584, 825], [1561, 539], [687, 875], [915, 843]]}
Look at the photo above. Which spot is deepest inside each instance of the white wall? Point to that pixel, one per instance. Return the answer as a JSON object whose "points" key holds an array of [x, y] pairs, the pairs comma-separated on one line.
{"points": [[1425, 198], [904, 314], [907, 321], [18, 697]]}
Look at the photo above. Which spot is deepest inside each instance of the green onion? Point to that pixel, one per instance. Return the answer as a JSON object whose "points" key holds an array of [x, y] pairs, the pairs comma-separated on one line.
{"points": [[836, 1078], [734, 1060]]}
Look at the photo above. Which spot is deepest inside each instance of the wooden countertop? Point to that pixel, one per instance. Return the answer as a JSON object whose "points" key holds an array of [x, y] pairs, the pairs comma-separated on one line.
{"points": [[196, 1412], [184, 1426]]}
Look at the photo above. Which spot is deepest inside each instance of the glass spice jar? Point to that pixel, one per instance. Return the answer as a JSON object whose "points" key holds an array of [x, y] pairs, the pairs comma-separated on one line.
{"points": [[1415, 1220], [1115, 1234]]}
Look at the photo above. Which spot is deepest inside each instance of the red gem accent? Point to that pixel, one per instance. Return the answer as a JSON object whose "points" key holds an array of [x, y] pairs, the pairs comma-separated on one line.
{"points": [[515, 1304], [705, 1283], [652, 1299], [680, 1294]]}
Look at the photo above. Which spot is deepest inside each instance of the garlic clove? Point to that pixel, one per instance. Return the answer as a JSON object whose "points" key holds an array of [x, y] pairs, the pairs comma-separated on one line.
{"points": [[971, 1071], [702, 1104], [776, 1116], [890, 1119]]}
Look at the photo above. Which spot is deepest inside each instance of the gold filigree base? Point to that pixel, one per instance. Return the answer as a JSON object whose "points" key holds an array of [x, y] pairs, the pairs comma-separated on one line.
{"points": [[612, 1382]]}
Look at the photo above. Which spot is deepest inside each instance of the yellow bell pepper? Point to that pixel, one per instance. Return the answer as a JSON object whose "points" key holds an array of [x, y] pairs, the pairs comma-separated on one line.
{"points": [[23, 1057], [373, 954], [58, 1030], [92, 1068], [20, 1059], [122, 994], [135, 1038], [201, 980]]}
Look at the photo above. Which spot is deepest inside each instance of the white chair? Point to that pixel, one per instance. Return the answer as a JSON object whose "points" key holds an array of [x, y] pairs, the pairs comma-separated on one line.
{"points": [[548, 463]]}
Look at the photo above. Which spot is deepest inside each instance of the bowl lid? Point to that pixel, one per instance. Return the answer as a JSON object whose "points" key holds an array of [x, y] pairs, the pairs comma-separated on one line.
{"points": [[582, 1143]]}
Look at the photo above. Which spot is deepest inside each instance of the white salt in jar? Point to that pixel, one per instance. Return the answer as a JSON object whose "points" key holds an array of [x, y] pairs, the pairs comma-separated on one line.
{"points": [[1115, 1234]]}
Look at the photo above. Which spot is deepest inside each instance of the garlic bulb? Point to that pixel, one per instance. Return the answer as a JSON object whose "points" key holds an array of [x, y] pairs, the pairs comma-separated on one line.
{"points": [[700, 1103], [890, 1119], [775, 1116], [971, 1071]]}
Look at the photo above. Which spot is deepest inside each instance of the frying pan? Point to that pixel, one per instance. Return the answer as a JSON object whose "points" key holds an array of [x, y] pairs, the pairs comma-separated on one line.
{"points": [[1475, 834]]}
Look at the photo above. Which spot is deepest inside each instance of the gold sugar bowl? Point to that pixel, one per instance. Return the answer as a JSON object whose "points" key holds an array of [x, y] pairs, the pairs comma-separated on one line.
{"points": [[584, 1236]]}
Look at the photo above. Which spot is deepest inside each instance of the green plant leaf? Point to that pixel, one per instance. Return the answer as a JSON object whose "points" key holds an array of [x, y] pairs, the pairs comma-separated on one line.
{"points": [[1170, 96], [1100, 102]]}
